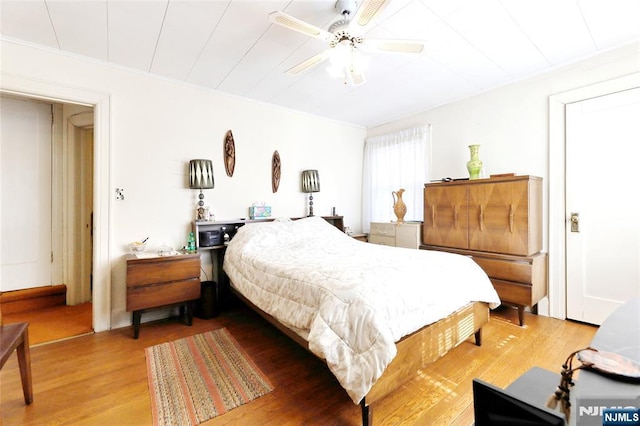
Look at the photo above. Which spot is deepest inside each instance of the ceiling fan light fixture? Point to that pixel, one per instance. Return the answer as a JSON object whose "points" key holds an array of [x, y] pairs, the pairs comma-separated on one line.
{"points": [[347, 63], [359, 60], [335, 72], [342, 54]]}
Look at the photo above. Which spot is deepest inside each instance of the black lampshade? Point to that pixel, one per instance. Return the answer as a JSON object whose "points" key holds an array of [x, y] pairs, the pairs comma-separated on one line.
{"points": [[310, 181], [201, 174]]}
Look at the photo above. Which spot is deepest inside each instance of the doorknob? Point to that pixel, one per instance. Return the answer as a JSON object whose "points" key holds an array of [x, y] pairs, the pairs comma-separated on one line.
{"points": [[575, 222]]}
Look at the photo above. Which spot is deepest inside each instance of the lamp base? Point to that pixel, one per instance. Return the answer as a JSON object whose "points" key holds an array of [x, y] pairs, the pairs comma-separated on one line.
{"points": [[310, 206], [202, 212]]}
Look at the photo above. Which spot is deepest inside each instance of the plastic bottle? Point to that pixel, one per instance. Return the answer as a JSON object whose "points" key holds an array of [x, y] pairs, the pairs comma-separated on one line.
{"points": [[191, 243]]}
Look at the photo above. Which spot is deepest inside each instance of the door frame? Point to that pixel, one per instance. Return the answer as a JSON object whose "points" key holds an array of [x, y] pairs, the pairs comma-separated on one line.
{"points": [[558, 216], [101, 104], [77, 166]]}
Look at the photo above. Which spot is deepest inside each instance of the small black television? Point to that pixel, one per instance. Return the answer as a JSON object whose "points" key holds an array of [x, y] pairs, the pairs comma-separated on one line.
{"points": [[493, 406]]}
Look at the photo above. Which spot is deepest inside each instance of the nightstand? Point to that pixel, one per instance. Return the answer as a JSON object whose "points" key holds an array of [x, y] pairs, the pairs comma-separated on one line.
{"points": [[406, 234], [163, 281], [359, 237]]}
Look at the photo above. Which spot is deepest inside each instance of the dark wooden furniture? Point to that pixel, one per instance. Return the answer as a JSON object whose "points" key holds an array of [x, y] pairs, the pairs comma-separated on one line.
{"points": [[497, 222], [16, 337], [158, 282]]}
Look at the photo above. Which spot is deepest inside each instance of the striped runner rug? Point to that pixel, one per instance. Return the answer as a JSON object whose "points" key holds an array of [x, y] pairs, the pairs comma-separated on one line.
{"points": [[194, 379]]}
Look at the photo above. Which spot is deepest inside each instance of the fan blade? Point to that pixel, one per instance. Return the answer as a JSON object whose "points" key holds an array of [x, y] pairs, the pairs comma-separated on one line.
{"points": [[311, 62], [368, 11], [404, 46], [296, 24]]}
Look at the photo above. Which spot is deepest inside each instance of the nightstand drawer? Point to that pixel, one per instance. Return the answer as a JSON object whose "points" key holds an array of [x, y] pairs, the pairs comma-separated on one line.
{"points": [[384, 229], [142, 272], [155, 295]]}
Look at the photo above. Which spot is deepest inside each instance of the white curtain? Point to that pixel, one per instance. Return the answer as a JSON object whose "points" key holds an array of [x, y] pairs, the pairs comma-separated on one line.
{"points": [[391, 162]]}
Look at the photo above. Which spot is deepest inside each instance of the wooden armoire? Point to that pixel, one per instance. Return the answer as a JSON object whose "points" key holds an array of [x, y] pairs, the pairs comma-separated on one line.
{"points": [[498, 222]]}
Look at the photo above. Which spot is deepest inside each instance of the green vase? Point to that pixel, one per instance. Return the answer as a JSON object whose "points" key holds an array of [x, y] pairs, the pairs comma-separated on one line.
{"points": [[474, 165]]}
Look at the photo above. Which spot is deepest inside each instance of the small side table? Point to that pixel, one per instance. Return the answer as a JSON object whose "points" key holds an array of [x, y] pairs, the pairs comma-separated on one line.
{"points": [[360, 237], [157, 282]]}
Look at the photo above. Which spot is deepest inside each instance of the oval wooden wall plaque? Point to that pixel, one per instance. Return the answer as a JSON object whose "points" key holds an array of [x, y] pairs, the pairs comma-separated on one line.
{"points": [[229, 154], [275, 171]]}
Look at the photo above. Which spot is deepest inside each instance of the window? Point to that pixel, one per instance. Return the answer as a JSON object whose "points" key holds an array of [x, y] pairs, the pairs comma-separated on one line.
{"points": [[391, 162]]}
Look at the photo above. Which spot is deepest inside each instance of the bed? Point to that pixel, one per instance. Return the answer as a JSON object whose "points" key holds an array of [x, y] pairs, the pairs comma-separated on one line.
{"points": [[374, 314]]}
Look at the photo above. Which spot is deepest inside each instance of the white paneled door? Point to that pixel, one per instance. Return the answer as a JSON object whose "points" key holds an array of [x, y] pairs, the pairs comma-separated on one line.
{"points": [[25, 194], [602, 204]]}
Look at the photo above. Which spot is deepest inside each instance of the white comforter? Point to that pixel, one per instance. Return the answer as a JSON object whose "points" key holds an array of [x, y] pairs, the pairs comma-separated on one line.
{"points": [[351, 300]]}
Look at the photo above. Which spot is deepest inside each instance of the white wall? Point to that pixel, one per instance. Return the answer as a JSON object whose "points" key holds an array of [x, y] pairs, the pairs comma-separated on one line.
{"points": [[511, 124], [157, 126]]}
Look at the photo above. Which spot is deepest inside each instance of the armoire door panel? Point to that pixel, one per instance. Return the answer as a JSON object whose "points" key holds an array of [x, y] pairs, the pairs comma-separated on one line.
{"points": [[498, 217], [445, 216]]}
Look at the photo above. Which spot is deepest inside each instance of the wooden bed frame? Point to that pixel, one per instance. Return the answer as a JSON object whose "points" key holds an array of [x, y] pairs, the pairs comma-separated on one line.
{"points": [[415, 351]]}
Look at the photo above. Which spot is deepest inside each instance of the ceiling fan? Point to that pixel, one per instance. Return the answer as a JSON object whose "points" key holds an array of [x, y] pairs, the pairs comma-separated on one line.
{"points": [[345, 37]]}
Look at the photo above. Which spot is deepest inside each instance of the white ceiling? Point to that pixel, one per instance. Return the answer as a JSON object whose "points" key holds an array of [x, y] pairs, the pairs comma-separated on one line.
{"points": [[231, 46]]}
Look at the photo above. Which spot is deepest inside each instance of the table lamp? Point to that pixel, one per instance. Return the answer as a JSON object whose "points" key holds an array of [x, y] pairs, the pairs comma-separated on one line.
{"points": [[201, 177], [310, 184]]}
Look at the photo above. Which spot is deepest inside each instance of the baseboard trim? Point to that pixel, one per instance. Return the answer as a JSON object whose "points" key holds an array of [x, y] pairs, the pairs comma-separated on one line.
{"points": [[12, 302]]}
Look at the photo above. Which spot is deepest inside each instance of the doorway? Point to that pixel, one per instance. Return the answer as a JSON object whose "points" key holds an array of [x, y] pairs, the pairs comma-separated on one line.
{"points": [[101, 103], [61, 138]]}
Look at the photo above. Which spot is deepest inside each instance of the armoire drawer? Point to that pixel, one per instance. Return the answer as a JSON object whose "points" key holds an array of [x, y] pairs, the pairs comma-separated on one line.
{"points": [[521, 271], [510, 292]]}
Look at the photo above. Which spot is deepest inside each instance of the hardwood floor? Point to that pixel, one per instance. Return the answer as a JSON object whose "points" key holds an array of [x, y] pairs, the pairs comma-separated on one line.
{"points": [[55, 322], [101, 379]]}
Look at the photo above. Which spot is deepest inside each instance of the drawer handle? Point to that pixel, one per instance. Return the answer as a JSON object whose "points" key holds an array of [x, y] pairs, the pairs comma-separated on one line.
{"points": [[481, 217], [455, 216], [511, 213], [433, 216]]}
